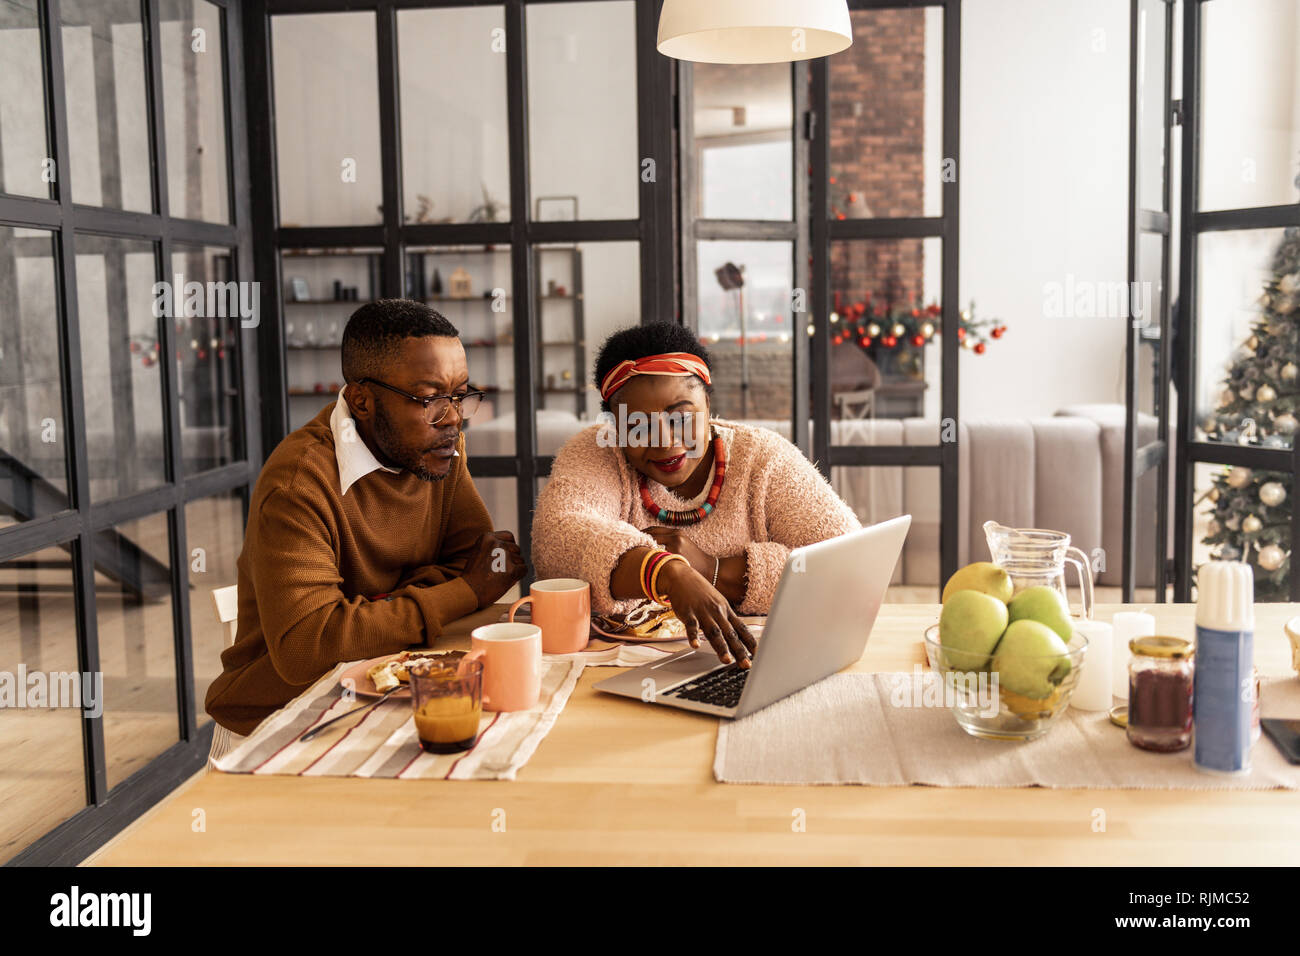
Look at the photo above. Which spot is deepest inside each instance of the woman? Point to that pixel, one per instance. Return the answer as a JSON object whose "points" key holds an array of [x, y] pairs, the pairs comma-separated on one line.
{"points": [[665, 501]]}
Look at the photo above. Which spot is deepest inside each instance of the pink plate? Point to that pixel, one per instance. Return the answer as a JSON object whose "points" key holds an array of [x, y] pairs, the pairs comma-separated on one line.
{"points": [[364, 686]]}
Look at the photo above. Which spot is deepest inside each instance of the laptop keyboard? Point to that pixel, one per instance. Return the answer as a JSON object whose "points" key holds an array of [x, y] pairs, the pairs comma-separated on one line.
{"points": [[721, 688]]}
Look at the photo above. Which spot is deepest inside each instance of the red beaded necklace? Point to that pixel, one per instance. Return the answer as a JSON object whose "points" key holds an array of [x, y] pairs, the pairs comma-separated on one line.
{"points": [[694, 515]]}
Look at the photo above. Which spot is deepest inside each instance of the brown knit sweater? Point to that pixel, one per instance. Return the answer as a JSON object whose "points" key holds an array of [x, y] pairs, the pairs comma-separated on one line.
{"points": [[325, 578]]}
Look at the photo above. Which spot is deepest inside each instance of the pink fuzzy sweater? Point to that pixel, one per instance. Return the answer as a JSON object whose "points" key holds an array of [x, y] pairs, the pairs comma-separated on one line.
{"points": [[773, 499]]}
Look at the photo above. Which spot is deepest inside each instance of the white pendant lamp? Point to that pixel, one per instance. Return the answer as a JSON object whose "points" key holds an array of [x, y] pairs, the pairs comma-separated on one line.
{"points": [[753, 31]]}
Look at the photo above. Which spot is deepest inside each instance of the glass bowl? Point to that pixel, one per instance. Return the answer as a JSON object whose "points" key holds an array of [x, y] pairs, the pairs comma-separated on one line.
{"points": [[983, 707]]}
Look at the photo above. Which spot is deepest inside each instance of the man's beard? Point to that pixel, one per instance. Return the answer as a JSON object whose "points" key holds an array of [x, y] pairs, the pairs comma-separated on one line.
{"points": [[398, 453]]}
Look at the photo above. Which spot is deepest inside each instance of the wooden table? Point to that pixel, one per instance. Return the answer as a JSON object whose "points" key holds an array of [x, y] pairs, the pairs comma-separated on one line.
{"points": [[617, 782]]}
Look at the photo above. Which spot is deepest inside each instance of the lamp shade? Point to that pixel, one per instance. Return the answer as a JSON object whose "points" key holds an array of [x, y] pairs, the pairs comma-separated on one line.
{"points": [[753, 31]]}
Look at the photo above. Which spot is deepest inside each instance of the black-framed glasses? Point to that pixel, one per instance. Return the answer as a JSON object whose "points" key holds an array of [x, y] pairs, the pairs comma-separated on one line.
{"points": [[437, 406]]}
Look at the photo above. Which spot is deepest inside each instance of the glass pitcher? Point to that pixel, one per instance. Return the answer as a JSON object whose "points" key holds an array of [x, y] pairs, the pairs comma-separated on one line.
{"points": [[1033, 556]]}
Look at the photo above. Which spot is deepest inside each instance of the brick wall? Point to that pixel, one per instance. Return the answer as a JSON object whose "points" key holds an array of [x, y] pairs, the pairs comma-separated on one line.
{"points": [[877, 112]]}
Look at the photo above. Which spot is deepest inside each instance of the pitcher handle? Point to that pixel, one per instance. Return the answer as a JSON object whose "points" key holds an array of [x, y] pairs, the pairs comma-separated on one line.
{"points": [[1084, 568]]}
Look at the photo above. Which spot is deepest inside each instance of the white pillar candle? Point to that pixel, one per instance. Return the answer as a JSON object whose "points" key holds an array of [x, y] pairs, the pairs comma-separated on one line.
{"points": [[1128, 625], [1093, 692]]}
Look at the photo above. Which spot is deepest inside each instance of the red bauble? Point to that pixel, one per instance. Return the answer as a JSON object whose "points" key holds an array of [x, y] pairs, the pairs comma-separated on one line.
{"points": [[203, 354], [832, 180], [979, 348], [961, 334], [890, 340], [915, 313], [918, 339], [866, 341], [997, 332], [841, 216]]}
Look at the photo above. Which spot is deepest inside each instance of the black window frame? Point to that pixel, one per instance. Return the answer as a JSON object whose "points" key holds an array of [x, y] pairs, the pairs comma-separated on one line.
{"points": [[109, 811], [653, 228], [1194, 222]]}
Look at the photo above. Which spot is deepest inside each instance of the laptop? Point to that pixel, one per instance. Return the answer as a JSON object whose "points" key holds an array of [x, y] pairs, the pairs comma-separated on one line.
{"points": [[825, 606]]}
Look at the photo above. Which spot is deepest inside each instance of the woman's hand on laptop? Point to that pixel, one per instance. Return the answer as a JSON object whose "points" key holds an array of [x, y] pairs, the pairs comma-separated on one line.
{"points": [[706, 613]]}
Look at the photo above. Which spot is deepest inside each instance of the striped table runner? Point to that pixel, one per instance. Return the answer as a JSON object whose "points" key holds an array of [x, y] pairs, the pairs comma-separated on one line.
{"points": [[382, 742]]}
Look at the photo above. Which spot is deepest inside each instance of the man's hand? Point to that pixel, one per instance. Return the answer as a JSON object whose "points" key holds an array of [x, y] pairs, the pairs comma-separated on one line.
{"points": [[676, 541], [495, 564]]}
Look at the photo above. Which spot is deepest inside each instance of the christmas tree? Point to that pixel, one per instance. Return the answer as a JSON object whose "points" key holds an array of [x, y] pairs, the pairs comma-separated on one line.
{"points": [[1250, 509]]}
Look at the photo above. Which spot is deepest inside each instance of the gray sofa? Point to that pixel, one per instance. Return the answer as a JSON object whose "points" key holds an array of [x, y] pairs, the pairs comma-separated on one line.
{"points": [[1063, 472]]}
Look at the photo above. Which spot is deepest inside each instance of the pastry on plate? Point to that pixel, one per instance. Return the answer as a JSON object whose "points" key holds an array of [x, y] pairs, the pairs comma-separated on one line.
{"points": [[389, 673], [647, 622]]}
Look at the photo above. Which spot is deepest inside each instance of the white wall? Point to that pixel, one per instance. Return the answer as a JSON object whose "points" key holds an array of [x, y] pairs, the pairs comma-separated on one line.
{"points": [[1044, 182]]}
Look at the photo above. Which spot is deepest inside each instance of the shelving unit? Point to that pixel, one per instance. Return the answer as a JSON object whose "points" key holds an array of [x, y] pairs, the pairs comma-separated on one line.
{"points": [[313, 327], [563, 266]]}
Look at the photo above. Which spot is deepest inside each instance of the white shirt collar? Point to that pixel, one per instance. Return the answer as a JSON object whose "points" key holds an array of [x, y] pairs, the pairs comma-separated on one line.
{"points": [[354, 457]]}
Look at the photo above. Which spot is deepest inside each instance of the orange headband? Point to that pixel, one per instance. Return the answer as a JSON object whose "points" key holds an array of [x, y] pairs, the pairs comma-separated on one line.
{"points": [[668, 363]]}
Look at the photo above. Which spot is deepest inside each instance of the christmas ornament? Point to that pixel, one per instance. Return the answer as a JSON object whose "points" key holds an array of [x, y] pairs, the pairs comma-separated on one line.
{"points": [[1272, 493], [1239, 477], [1247, 392], [1226, 397], [1252, 343], [1286, 424], [1250, 524], [873, 330], [1212, 527], [927, 329], [1233, 523], [1271, 557], [898, 329], [1265, 393], [1289, 371]]}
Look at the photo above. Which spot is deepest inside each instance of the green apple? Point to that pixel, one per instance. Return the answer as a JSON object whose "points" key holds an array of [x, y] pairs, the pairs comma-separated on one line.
{"points": [[1031, 659], [1044, 605], [969, 627], [981, 576]]}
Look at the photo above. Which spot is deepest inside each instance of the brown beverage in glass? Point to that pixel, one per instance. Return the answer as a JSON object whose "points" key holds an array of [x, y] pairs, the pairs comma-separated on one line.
{"points": [[447, 699]]}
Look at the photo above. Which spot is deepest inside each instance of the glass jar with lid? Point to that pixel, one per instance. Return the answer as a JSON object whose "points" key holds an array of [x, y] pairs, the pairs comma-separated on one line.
{"points": [[1160, 693]]}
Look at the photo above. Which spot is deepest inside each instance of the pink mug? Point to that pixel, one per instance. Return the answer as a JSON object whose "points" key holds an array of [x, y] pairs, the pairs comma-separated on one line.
{"points": [[562, 609], [512, 664]]}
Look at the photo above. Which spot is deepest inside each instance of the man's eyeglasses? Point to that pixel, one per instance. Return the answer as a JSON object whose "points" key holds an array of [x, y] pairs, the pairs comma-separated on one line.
{"points": [[436, 406]]}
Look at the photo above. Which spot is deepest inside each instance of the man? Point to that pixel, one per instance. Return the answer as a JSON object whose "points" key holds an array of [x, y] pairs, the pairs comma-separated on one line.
{"points": [[365, 532]]}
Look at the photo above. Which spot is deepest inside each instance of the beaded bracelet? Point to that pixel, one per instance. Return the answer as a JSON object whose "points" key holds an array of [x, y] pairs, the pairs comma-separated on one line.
{"points": [[652, 558], [654, 577], [641, 575]]}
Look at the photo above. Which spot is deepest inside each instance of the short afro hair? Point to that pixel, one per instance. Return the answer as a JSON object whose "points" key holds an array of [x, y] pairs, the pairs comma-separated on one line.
{"points": [[377, 329], [652, 339]]}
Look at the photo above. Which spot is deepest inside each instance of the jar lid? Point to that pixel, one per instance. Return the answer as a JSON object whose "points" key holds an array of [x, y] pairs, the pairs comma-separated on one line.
{"points": [[1158, 646]]}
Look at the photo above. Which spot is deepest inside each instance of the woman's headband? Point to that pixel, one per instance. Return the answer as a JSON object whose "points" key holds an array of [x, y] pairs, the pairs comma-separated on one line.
{"points": [[667, 363]]}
